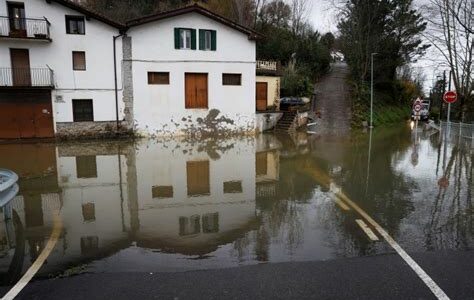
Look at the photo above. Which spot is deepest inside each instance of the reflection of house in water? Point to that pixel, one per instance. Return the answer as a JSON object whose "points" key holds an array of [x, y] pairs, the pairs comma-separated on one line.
{"points": [[95, 192], [267, 165], [194, 197], [172, 196]]}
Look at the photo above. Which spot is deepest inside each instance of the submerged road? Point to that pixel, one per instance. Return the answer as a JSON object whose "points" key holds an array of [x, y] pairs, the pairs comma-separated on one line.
{"points": [[378, 277]]}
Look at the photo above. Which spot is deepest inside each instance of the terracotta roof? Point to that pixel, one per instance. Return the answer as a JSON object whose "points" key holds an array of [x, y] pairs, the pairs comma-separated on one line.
{"points": [[89, 13], [253, 35]]}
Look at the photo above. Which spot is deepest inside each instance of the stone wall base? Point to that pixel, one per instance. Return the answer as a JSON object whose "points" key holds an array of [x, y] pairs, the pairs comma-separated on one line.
{"points": [[91, 130]]}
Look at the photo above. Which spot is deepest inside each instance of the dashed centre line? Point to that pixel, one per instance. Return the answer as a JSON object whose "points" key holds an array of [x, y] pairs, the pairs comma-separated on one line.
{"points": [[429, 282]]}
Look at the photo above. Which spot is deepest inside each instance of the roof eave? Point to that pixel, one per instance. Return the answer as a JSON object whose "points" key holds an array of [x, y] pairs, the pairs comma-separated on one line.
{"points": [[253, 35], [89, 13]]}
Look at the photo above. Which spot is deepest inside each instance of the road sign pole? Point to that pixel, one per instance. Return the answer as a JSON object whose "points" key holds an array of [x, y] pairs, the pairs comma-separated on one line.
{"points": [[449, 113]]}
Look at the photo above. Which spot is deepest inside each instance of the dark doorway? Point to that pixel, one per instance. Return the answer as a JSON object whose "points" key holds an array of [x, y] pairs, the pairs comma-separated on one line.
{"points": [[20, 60], [16, 16]]}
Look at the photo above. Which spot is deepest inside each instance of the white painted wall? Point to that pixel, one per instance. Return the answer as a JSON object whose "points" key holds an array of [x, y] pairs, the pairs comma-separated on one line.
{"points": [[159, 110], [274, 84], [96, 83]]}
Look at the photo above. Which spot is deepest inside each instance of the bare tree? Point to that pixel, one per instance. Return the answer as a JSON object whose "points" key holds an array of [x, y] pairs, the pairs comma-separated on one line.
{"points": [[451, 33], [300, 10]]}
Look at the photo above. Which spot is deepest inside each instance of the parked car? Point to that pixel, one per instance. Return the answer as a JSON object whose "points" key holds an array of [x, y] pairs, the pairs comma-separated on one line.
{"points": [[289, 103]]}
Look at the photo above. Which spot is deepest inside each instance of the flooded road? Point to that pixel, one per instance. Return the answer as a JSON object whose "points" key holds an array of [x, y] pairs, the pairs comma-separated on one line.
{"points": [[170, 206]]}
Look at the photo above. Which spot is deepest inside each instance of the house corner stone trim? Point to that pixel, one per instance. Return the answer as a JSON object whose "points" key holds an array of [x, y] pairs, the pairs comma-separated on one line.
{"points": [[128, 82]]}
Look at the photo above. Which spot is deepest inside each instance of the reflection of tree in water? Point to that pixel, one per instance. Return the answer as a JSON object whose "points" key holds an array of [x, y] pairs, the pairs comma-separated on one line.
{"points": [[379, 189], [283, 214], [451, 220]]}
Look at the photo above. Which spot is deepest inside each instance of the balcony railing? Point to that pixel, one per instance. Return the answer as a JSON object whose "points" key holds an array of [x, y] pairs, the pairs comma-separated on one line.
{"points": [[26, 77], [267, 67], [26, 28]]}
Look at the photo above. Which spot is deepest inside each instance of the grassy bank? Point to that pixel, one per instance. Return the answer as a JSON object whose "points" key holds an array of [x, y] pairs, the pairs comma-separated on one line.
{"points": [[384, 114]]}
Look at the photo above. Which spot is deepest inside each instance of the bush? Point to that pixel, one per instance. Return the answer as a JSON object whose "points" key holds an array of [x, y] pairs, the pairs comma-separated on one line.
{"points": [[296, 83]]}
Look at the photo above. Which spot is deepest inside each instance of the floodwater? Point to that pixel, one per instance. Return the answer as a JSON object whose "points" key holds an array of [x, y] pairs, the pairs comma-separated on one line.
{"points": [[176, 205]]}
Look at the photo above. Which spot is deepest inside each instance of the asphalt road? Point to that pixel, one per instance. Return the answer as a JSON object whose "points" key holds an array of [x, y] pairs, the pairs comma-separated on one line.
{"points": [[333, 101], [378, 277]]}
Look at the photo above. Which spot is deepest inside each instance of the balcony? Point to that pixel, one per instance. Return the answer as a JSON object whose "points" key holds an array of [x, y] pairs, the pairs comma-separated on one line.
{"points": [[25, 28], [26, 78], [268, 67]]}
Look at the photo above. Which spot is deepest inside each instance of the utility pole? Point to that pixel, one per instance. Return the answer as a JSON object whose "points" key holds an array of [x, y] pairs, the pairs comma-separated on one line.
{"points": [[372, 89]]}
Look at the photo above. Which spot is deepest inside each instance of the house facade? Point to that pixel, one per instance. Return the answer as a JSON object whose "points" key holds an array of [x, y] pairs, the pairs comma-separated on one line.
{"points": [[56, 69], [66, 71], [195, 74]]}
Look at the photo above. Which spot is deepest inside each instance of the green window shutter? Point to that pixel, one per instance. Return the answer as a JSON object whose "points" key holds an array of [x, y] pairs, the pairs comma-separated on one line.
{"points": [[202, 39], [177, 38], [213, 40], [193, 39]]}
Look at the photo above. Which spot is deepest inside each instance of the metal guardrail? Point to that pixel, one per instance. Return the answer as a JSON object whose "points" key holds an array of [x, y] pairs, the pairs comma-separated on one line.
{"points": [[463, 130], [25, 28], [26, 77]]}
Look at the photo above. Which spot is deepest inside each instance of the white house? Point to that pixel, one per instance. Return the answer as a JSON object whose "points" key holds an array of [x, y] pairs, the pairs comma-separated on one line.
{"points": [[66, 70], [193, 72], [56, 69]]}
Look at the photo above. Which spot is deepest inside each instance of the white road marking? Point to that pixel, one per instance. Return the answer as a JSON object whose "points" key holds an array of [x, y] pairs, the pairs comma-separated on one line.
{"points": [[34, 268], [435, 289], [367, 230]]}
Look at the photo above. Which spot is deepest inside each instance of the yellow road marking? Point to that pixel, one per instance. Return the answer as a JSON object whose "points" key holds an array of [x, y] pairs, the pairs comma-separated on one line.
{"points": [[34, 268], [325, 180], [342, 205], [367, 230]]}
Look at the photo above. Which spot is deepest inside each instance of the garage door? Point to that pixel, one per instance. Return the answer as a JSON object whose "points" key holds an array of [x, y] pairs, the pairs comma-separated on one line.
{"points": [[26, 114]]}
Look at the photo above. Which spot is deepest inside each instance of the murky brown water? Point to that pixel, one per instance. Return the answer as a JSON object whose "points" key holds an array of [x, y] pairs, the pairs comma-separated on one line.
{"points": [[159, 206]]}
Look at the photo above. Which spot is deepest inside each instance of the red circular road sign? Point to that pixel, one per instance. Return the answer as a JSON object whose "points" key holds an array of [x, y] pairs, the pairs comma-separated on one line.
{"points": [[450, 97]]}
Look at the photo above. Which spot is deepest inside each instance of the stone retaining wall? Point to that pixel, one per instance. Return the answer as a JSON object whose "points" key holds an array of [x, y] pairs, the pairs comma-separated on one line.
{"points": [[90, 130]]}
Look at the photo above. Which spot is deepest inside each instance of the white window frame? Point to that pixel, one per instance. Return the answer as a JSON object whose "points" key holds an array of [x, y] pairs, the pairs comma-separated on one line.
{"points": [[185, 39]]}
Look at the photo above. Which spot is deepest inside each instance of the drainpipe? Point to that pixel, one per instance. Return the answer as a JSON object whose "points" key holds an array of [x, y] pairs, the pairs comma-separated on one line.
{"points": [[115, 81]]}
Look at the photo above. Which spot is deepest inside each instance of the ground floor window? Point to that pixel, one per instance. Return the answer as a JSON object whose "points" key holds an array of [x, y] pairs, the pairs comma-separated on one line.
{"points": [[82, 110], [232, 79], [158, 78]]}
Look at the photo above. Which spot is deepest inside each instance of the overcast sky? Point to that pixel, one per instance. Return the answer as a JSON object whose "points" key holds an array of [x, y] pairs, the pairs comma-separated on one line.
{"points": [[324, 18]]}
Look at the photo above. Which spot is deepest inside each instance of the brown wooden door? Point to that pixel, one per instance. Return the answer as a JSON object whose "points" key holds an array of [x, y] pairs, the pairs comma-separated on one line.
{"points": [[8, 124], [26, 120], [43, 120], [198, 181], [262, 96], [196, 91], [261, 163], [20, 60]]}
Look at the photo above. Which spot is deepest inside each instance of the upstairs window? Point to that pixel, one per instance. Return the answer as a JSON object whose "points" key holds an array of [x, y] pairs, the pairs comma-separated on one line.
{"points": [[207, 40], [78, 60], [75, 25], [185, 38]]}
